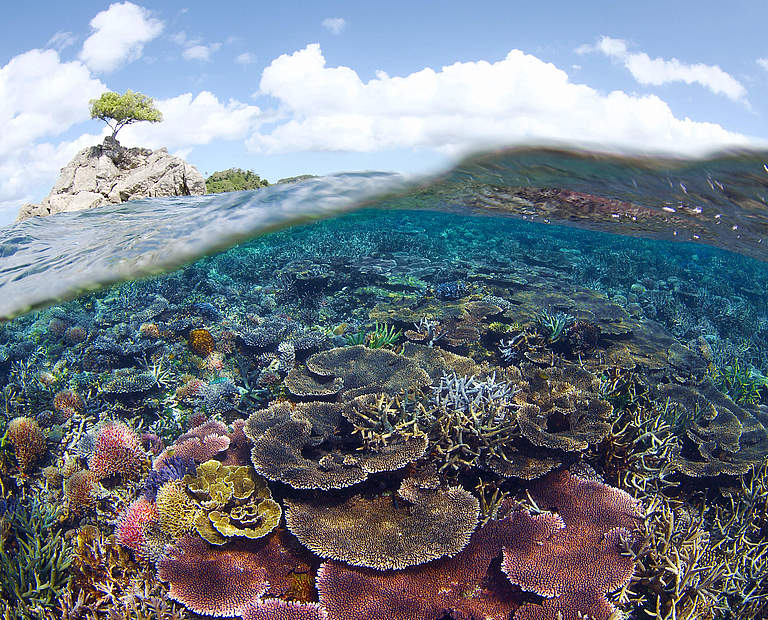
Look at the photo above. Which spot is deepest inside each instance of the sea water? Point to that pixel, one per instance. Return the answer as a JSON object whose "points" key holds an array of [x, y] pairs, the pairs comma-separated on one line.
{"points": [[598, 317]]}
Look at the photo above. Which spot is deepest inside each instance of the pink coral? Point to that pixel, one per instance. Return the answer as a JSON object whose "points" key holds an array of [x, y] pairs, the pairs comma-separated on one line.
{"points": [[276, 609], [200, 443], [467, 585], [213, 582], [132, 524], [583, 556], [117, 451]]}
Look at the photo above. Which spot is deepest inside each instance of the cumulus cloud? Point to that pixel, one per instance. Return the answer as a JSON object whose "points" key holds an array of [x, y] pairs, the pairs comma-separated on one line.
{"points": [[463, 106], [190, 120], [657, 71], [61, 40], [27, 174], [119, 35], [763, 62], [41, 96], [246, 58], [334, 25]]}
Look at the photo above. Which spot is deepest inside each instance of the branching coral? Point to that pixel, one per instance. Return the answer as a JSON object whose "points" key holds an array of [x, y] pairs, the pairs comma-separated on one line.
{"points": [[28, 441], [33, 561], [117, 450]]}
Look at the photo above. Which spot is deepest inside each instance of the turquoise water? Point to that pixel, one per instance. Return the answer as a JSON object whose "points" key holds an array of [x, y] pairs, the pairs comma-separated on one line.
{"points": [[533, 385]]}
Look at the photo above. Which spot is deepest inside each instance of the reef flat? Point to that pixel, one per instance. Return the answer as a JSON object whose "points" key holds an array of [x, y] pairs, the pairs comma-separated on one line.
{"points": [[400, 415]]}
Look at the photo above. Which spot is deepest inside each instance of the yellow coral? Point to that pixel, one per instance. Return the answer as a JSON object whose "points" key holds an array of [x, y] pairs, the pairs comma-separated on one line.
{"points": [[221, 491], [176, 510]]}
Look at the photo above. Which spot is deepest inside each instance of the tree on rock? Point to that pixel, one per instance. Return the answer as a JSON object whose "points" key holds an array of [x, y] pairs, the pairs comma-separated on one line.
{"points": [[118, 110]]}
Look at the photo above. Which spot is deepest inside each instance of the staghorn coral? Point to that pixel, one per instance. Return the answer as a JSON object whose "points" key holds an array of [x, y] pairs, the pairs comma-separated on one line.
{"points": [[377, 533], [105, 583], [295, 446], [33, 561], [578, 551], [221, 583], [28, 441], [117, 450]]}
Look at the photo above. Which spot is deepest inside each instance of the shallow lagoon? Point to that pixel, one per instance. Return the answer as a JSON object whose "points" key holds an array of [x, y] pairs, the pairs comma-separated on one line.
{"points": [[400, 412]]}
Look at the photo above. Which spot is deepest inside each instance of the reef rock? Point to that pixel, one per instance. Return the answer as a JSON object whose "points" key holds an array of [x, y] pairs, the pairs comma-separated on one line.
{"points": [[109, 173]]}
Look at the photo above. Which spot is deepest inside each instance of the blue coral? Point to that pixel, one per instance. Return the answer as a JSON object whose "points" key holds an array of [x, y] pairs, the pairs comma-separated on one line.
{"points": [[451, 291], [173, 468]]}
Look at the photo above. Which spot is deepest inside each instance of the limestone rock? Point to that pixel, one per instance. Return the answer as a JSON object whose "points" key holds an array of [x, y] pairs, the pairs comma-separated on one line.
{"points": [[110, 174]]}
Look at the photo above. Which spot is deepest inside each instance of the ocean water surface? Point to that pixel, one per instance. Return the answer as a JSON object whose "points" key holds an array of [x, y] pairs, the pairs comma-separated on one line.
{"points": [[533, 386]]}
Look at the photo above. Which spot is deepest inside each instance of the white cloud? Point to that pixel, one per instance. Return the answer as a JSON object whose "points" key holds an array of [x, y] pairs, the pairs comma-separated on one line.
{"points": [[120, 33], [41, 96], [200, 52], [246, 58], [194, 49], [657, 71], [763, 62], [334, 25], [189, 120], [27, 174], [61, 40], [463, 106]]}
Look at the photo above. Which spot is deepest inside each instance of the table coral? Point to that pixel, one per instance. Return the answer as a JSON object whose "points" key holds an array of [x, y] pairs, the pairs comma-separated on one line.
{"points": [[219, 583], [581, 552], [378, 533]]}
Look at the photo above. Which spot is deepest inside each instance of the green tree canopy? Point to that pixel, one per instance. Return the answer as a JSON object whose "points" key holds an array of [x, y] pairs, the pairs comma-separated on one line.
{"points": [[118, 110], [233, 180]]}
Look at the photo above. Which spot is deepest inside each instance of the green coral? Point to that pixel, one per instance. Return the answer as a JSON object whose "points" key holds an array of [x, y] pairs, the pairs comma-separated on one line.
{"points": [[33, 562], [740, 381], [383, 337]]}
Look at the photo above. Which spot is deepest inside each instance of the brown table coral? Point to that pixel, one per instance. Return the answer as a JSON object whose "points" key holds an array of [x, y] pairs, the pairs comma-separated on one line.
{"points": [[383, 533]]}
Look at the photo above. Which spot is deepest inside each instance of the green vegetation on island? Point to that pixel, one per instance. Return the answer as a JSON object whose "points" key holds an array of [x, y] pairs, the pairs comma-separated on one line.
{"points": [[118, 110], [233, 180]]}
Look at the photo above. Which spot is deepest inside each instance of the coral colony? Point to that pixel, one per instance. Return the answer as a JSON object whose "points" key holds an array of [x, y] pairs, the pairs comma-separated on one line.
{"points": [[302, 429]]}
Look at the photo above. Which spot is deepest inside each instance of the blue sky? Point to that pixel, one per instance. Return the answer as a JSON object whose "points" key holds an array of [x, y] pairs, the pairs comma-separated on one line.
{"points": [[317, 87]]}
